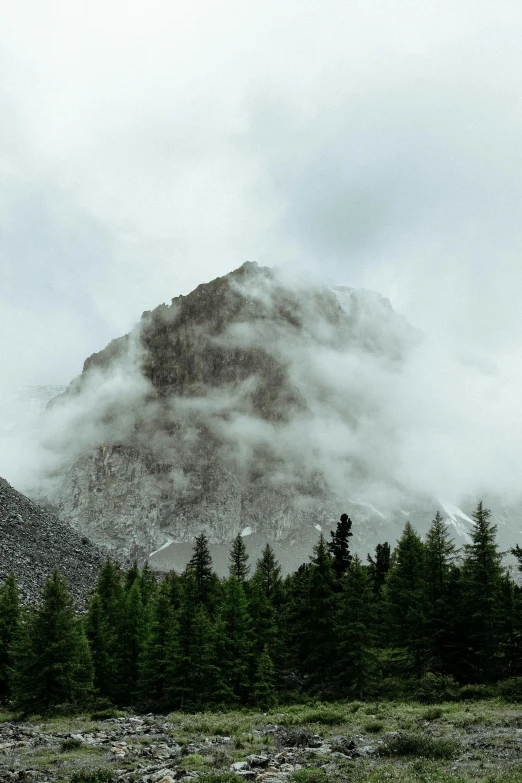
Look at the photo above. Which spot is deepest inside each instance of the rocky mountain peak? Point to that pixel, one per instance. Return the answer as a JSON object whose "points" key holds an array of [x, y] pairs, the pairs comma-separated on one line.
{"points": [[224, 411]]}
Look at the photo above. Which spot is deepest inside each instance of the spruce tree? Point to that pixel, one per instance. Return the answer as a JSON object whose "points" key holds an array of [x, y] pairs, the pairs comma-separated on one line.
{"points": [[269, 572], [339, 546], [133, 637], [481, 600], [205, 579], [379, 566], [193, 674], [439, 557], [104, 627], [99, 636], [235, 641], [263, 687], [356, 659], [405, 602], [9, 623], [238, 559], [264, 618], [317, 636], [52, 659], [154, 661]]}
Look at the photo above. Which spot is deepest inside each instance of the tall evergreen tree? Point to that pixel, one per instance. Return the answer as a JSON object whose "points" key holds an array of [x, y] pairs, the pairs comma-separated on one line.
{"points": [[317, 642], [263, 687], [134, 633], [52, 659], [194, 676], [238, 559], [339, 546], [439, 557], [9, 623], [101, 644], [481, 605], [405, 594], [379, 566], [235, 639], [104, 627], [154, 661], [269, 572], [200, 565], [356, 659]]}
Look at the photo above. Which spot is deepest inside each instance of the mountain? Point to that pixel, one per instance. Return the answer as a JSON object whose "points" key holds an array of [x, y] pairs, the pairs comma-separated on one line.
{"points": [[34, 542], [252, 406]]}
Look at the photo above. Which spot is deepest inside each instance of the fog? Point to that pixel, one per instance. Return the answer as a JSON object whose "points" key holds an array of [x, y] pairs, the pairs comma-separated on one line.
{"points": [[147, 149]]}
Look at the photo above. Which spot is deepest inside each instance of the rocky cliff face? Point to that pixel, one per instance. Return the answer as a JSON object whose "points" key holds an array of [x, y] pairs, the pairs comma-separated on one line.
{"points": [[225, 412], [33, 542]]}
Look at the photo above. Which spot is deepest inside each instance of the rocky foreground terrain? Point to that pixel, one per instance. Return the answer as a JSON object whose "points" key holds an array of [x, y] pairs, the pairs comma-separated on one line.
{"points": [[33, 542], [370, 743]]}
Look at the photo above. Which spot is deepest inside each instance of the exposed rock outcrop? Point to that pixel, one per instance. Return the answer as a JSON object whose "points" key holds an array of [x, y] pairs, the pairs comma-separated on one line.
{"points": [[33, 542], [218, 413]]}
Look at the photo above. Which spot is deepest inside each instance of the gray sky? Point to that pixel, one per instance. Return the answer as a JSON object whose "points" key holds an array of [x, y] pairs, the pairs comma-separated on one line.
{"points": [[148, 147]]}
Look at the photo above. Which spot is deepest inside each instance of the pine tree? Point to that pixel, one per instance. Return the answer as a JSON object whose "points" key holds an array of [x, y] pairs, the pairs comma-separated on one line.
{"points": [[356, 661], [264, 618], [193, 673], [439, 556], [104, 627], [154, 661], [238, 559], [317, 638], [263, 688], [339, 546], [99, 637], [404, 592], [379, 566], [269, 572], [235, 640], [205, 579], [9, 622], [481, 600], [133, 637], [52, 659]]}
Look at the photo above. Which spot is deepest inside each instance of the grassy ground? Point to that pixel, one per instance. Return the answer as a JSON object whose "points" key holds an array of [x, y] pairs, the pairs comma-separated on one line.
{"points": [[410, 743]]}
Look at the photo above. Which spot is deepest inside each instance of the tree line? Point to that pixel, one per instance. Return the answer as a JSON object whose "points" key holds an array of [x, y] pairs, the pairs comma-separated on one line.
{"points": [[336, 628]]}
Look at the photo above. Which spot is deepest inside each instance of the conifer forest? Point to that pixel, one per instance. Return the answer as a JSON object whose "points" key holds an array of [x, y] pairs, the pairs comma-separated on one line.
{"points": [[422, 619]]}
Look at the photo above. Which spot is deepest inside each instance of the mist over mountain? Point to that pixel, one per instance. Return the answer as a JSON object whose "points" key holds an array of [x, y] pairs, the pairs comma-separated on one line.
{"points": [[262, 405]]}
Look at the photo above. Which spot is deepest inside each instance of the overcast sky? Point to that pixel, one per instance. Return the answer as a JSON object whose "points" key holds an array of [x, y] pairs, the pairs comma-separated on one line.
{"points": [[148, 147]]}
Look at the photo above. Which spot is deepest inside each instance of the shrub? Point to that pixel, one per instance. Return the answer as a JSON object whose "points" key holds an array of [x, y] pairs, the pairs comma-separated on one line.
{"points": [[475, 692], [421, 745], [433, 713], [71, 744], [433, 688], [310, 775], [511, 689], [373, 727], [324, 715], [392, 689]]}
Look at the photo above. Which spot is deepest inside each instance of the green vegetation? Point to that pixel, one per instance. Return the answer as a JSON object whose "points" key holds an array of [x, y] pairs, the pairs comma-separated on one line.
{"points": [[423, 622], [421, 745]]}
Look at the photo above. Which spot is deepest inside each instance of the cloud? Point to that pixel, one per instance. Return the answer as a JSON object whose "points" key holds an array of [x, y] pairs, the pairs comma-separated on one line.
{"points": [[145, 150]]}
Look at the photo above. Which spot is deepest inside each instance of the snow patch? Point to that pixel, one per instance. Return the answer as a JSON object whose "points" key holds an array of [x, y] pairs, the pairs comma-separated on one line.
{"points": [[457, 518], [169, 542], [247, 531], [406, 513], [317, 526], [367, 505]]}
